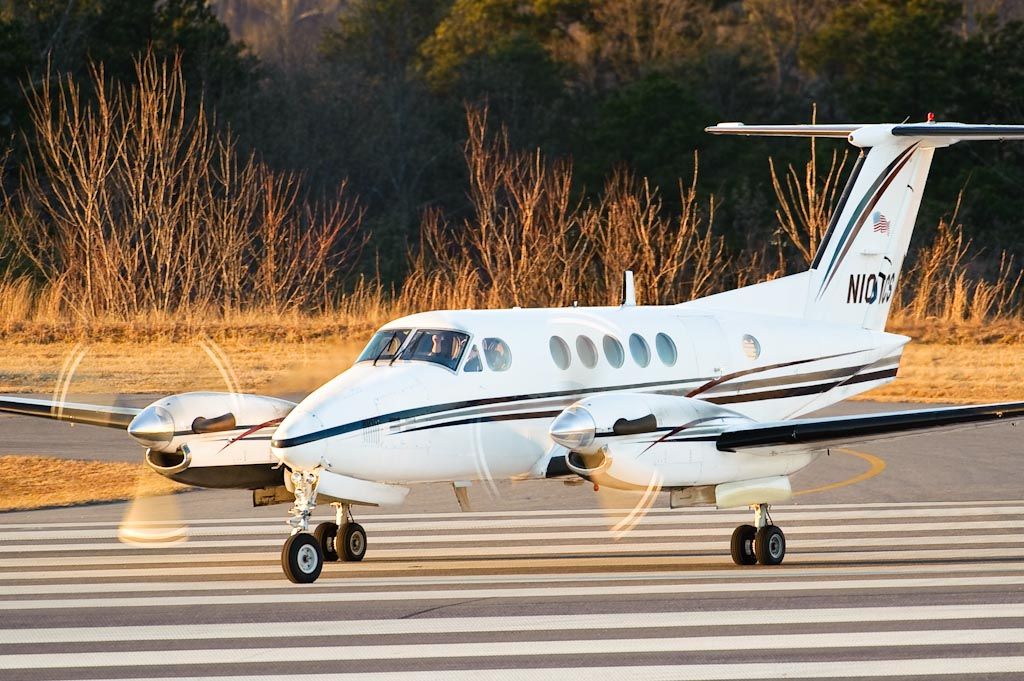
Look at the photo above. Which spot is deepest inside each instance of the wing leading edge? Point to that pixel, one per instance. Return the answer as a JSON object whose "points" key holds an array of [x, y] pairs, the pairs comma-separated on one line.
{"points": [[824, 432], [88, 414]]}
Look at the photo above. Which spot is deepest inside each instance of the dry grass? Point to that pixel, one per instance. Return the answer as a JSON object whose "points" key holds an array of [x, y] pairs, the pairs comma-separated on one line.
{"points": [[957, 374], [35, 481], [108, 368], [930, 372]]}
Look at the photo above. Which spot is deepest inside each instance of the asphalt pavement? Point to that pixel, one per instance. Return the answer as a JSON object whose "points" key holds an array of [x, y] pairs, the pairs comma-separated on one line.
{"points": [[908, 563]]}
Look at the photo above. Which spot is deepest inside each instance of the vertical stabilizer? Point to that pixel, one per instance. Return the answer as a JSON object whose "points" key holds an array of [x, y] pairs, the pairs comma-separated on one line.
{"points": [[855, 272], [857, 268]]}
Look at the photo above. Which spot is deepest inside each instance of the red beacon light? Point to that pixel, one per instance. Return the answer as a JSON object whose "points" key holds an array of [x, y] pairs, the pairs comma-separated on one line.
{"points": [[931, 117]]}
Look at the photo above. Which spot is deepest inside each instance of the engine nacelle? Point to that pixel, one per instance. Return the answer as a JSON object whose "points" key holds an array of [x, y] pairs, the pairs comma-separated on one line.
{"points": [[610, 437], [619, 472], [587, 426], [167, 424]]}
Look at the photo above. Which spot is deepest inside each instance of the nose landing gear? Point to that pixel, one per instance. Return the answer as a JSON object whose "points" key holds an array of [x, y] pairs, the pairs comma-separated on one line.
{"points": [[762, 542], [302, 556], [304, 553]]}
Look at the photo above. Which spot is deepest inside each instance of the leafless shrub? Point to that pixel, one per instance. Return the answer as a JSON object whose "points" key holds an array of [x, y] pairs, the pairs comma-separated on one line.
{"points": [[529, 243], [129, 205], [673, 260], [806, 203], [940, 286]]}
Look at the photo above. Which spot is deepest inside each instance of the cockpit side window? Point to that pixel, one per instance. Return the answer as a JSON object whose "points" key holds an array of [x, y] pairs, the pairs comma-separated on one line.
{"points": [[436, 346], [473, 363], [384, 345], [499, 357]]}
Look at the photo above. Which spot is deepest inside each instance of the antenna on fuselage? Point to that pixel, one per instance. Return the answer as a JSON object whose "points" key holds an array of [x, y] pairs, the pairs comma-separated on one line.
{"points": [[628, 290]]}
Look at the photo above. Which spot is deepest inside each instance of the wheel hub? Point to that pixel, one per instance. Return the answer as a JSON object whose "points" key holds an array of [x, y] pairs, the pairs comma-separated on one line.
{"points": [[307, 559]]}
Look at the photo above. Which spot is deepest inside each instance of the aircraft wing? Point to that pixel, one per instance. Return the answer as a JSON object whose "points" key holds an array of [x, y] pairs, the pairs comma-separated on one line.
{"points": [[88, 414], [821, 433]]}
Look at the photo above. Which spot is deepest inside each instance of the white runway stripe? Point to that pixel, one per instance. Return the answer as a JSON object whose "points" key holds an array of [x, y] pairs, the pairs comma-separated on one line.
{"points": [[778, 669], [699, 515], [316, 594], [483, 579], [536, 623], [274, 569], [578, 647], [544, 549], [280, 530], [94, 587], [951, 505], [933, 579], [679, 555]]}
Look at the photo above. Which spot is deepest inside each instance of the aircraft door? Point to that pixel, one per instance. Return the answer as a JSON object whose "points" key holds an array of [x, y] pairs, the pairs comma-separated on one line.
{"points": [[709, 346]]}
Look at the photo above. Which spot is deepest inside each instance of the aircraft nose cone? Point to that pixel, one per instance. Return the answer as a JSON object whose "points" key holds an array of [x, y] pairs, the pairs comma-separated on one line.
{"points": [[153, 427], [574, 429], [298, 441]]}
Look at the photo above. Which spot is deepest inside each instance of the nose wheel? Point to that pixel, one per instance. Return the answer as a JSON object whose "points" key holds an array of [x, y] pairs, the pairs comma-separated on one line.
{"points": [[302, 558], [763, 542]]}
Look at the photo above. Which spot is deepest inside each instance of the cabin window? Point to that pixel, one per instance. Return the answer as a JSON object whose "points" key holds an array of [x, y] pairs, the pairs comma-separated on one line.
{"points": [[587, 351], [437, 347], [497, 354], [559, 352], [384, 345], [639, 349], [473, 363], [613, 351], [666, 349], [751, 347]]}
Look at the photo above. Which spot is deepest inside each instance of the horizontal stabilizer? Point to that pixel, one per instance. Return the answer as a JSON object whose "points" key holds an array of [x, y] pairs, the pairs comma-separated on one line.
{"points": [[960, 131], [783, 130], [844, 430], [948, 132], [87, 414]]}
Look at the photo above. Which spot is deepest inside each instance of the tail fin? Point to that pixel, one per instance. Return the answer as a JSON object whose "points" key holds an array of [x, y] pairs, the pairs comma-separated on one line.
{"points": [[855, 271]]}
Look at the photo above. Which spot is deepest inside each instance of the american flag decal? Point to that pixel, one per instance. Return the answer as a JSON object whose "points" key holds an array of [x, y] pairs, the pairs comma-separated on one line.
{"points": [[881, 223]]}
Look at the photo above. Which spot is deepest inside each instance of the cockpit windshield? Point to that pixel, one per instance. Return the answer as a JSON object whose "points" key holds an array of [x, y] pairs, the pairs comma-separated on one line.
{"points": [[384, 345], [436, 346]]}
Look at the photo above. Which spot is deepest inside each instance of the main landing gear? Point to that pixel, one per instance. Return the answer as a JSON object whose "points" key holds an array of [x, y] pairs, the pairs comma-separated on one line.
{"points": [[304, 553], [763, 542]]}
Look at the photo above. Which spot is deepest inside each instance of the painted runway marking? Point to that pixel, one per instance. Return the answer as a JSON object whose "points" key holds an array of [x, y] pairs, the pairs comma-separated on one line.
{"points": [[227, 656], [538, 513], [846, 669], [876, 465], [449, 625], [874, 585]]}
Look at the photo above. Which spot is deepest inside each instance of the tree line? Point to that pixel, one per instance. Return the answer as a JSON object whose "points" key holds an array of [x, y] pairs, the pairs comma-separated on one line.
{"points": [[375, 96]]}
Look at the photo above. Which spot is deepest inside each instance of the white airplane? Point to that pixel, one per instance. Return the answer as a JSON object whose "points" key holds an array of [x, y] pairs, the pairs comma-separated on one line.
{"points": [[701, 398]]}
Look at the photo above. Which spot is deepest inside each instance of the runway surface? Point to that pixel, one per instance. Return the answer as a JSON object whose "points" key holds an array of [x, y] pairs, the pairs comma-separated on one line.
{"points": [[905, 560], [868, 590]]}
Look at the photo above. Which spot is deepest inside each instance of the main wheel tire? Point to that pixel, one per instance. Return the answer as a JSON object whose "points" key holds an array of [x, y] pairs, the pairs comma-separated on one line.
{"points": [[351, 542], [325, 534], [770, 545], [742, 546], [302, 558]]}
